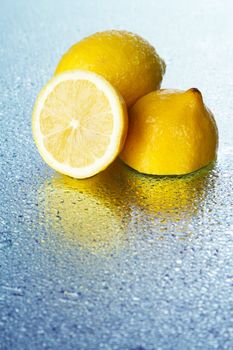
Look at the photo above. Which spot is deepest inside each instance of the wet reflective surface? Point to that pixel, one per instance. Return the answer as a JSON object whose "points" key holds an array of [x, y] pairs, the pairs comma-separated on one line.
{"points": [[121, 260]]}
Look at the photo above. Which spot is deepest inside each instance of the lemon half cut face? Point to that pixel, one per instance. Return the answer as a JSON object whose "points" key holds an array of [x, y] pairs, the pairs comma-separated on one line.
{"points": [[79, 123]]}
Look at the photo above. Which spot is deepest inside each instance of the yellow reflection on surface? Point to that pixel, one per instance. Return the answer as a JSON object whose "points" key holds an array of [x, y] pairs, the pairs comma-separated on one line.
{"points": [[95, 213], [170, 196], [90, 212]]}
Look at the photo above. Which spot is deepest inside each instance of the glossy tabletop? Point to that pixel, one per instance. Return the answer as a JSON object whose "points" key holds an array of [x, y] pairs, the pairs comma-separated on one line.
{"points": [[121, 261]]}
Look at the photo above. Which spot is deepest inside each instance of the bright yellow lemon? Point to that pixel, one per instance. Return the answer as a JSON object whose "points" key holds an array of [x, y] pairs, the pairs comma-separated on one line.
{"points": [[125, 59], [170, 133], [79, 123]]}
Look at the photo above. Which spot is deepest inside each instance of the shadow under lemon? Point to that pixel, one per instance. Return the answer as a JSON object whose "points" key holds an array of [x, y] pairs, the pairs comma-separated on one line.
{"points": [[92, 213]]}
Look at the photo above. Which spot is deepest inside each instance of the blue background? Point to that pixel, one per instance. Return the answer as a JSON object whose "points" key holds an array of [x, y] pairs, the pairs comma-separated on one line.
{"points": [[123, 261]]}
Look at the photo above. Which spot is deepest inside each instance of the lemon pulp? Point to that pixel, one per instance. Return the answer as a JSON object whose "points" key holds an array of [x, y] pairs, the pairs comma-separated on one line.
{"points": [[79, 123]]}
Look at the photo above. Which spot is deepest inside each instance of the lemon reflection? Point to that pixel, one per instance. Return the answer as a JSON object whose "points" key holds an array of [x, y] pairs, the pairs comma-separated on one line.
{"points": [[171, 198], [90, 212], [96, 213]]}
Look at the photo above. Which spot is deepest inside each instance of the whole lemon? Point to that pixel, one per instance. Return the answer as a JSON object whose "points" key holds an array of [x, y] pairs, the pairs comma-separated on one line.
{"points": [[125, 59], [170, 133]]}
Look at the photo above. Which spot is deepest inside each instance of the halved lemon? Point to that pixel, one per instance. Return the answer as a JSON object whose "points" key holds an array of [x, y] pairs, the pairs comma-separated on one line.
{"points": [[79, 123]]}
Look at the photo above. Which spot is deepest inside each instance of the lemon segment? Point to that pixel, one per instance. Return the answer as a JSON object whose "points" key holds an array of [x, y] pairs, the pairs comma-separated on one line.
{"points": [[79, 123]]}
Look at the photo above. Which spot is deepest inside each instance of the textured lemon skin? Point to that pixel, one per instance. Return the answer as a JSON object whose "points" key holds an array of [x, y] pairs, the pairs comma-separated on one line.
{"points": [[125, 59], [170, 133]]}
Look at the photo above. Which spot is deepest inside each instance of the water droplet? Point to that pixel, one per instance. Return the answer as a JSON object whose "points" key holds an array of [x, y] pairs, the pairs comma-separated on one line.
{"points": [[5, 243]]}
